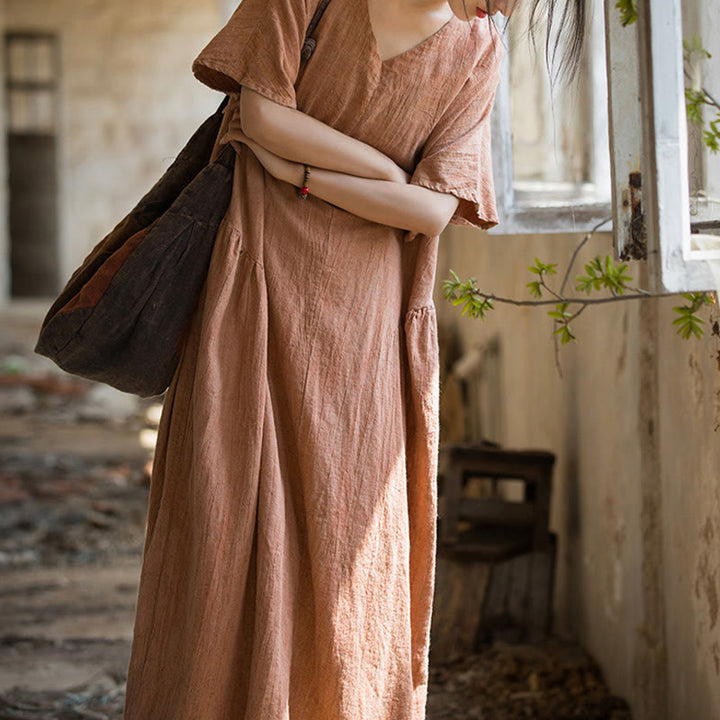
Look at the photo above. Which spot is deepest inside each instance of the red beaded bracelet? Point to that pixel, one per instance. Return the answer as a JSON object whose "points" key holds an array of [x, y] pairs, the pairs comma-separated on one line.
{"points": [[305, 189]]}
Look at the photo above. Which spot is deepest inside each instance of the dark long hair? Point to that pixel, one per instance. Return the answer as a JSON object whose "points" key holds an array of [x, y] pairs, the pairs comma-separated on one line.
{"points": [[565, 31]]}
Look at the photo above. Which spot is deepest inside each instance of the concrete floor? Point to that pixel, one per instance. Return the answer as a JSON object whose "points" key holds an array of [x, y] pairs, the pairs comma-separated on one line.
{"points": [[62, 626], [66, 620]]}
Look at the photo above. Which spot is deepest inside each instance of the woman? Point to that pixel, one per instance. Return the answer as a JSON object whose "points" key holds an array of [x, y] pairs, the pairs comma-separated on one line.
{"points": [[288, 563]]}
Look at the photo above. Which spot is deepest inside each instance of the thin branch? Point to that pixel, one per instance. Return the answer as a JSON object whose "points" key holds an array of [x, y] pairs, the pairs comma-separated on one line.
{"points": [[640, 291], [571, 300], [560, 298], [579, 312], [558, 364], [584, 242], [712, 100], [708, 96]]}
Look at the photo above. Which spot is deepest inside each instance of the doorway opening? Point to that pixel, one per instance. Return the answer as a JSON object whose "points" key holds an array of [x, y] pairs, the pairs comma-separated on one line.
{"points": [[32, 80]]}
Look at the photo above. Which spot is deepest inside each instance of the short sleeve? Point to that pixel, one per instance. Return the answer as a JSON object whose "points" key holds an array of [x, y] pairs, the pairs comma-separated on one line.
{"points": [[259, 47], [457, 157]]}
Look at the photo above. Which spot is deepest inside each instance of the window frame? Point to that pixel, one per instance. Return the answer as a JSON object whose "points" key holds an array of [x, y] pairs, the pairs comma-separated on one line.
{"points": [[662, 144], [543, 213], [648, 164]]}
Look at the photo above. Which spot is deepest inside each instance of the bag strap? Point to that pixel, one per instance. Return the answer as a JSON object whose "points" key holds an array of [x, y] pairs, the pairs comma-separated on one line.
{"points": [[310, 43]]}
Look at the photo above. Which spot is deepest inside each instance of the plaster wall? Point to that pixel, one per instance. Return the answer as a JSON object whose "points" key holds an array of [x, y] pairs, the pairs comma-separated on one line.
{"points": [[4, 210], [636, 501], [128, 101]]}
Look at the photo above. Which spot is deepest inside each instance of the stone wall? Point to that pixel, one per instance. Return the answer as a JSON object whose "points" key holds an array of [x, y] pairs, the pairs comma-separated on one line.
{"points": [[128, 101], [634, 423]]}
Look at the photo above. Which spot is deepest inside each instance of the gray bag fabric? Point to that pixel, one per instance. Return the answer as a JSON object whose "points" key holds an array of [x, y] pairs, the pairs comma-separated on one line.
{"points": [[121, 317]]}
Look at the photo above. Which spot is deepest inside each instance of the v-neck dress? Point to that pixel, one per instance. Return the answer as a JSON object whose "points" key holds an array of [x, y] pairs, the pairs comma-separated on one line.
{"points": [[288, 565]]}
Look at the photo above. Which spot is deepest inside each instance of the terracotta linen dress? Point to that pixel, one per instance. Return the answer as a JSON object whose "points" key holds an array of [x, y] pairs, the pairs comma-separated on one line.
{"points": [[288, 565]]}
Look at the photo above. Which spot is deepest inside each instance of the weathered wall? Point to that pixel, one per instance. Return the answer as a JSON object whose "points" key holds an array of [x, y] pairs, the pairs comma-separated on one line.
{"points": [[4, 230], [637, 499], [128, 101]]}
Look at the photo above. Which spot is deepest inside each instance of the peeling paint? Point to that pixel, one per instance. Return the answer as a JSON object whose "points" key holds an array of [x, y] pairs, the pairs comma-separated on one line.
{"points": [[708, 531], [632, 206], [706, 576], [650, 661], [622, 358], [712, 593], [696, 373], [617, 583]]}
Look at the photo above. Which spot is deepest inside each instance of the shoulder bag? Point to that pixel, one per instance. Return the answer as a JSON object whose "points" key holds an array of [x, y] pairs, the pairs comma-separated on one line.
{"points": [[122, 316]]}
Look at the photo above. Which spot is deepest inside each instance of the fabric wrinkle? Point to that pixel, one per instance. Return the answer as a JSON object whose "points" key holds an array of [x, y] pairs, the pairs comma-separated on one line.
{"points": [[288, 566]]}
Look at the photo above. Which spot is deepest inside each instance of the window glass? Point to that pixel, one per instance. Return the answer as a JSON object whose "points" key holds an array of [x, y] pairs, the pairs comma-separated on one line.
{"points": [[702, 83]]}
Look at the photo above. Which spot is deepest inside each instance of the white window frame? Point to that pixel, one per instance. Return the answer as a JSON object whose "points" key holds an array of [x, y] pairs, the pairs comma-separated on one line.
{"points": [[542, 212], [648, 131]]}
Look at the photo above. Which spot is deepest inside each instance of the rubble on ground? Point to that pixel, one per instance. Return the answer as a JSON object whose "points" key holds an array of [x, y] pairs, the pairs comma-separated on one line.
{"points": [[102, 697], [61, 508], [553, 680]]}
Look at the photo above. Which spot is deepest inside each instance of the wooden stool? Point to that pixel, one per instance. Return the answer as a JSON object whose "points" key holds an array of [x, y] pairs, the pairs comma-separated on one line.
{"points": [[500, 528], [512, 539]]}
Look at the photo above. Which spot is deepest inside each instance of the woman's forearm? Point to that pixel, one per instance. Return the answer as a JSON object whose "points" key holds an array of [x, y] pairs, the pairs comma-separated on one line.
{"points": [[397, 204], [296, 136], [400, 205]]}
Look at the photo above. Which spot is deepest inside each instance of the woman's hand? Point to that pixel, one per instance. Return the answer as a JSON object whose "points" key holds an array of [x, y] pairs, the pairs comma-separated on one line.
{"points": [[234, 129]]}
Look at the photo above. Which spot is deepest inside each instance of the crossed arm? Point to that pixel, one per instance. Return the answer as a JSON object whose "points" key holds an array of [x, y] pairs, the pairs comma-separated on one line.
{"points": [[345, 172]]}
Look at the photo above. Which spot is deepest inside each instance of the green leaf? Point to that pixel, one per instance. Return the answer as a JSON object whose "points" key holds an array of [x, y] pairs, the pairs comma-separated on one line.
{"points": [[695, 99], [541, 268], [560, 312], [584, 284], [565, 333], [711, 140], [628, 11], [694, 46], [534, 288]]}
